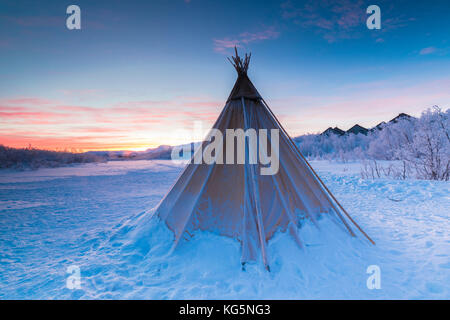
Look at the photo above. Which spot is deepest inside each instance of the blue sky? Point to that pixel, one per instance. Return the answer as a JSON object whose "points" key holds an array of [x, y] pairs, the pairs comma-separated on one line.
{"points": [[138, 70]]}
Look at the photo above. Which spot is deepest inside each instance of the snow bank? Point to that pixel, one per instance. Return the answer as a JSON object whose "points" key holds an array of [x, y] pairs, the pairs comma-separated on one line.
{"points": [[94, 218]]}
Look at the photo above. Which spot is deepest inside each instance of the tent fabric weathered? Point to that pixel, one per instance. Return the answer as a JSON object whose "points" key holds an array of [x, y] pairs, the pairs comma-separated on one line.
{"points": [[234, 200]]}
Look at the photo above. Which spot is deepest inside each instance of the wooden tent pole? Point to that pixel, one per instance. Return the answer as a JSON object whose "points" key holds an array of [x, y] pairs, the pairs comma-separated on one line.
{"points": [[253, 180], [291, 217]]}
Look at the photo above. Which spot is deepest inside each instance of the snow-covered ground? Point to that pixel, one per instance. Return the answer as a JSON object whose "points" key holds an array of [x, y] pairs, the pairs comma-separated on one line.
{"points": [[97, 217]]}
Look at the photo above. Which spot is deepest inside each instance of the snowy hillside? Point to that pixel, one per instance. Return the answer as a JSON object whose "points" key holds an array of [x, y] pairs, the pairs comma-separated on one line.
{"points": [[97, 217]]}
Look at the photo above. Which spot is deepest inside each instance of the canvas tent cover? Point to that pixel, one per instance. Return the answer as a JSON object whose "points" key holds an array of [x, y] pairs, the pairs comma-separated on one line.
{"points": [[234, 200]]}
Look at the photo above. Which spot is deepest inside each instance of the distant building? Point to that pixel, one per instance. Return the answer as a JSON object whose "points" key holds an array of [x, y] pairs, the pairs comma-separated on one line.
{"points": [[334, 130], [357, 129]]}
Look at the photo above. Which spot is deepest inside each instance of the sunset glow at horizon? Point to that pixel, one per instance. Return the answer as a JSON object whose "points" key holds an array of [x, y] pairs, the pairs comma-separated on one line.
{"points": [[137, 75]]}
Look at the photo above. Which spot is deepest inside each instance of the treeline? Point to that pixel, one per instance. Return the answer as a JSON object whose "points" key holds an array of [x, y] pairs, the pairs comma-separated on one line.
{"points": [[421, 146], [415, 147], [31, 158]]}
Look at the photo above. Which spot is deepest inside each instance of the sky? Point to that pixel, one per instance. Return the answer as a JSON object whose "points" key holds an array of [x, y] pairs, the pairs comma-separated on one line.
{"points": [[139, 74]]}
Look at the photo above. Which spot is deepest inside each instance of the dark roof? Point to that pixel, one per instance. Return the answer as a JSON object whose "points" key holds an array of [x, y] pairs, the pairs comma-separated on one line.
{"points": [[356, 129], [334, 130], [379, 126], [244, 88], [401, 116]]}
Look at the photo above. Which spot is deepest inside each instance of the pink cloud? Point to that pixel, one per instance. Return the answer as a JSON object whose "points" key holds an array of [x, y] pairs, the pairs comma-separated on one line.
{"points": [[428, 50], [52, 124], [12, 108], [144, 103], [29, 101], [336, 20], [79, 109], [89, 130], [83, 93], [72, 143], [176, 102], [40, 111], [223, 45], [35, 21], [32, 118], [333, 20], [389, 24], [267, 34]]}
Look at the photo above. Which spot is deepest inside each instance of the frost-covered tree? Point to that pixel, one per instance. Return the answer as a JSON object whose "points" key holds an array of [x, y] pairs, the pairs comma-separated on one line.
{"points": [[421, 146], [427, 148], [31, 158]]}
